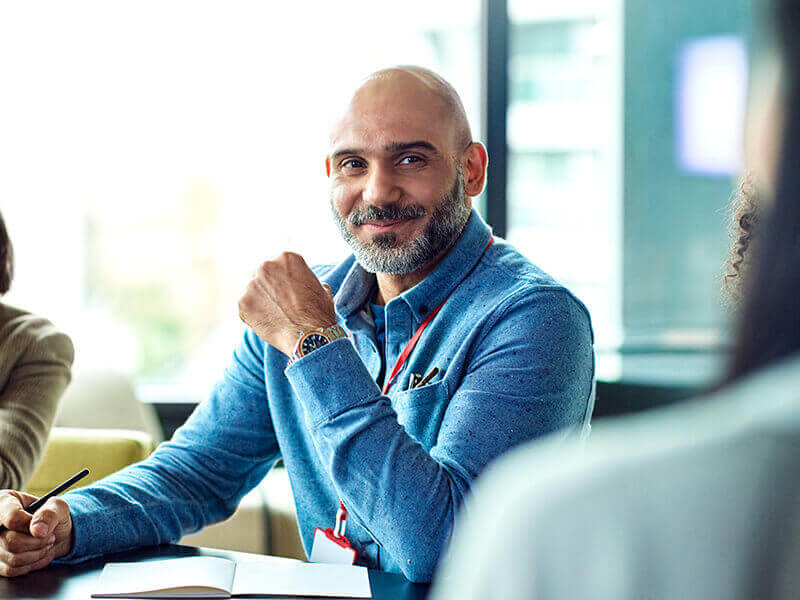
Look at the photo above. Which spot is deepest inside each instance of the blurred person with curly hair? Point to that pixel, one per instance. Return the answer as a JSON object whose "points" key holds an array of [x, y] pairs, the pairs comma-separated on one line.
{"points": [[744, 217]]}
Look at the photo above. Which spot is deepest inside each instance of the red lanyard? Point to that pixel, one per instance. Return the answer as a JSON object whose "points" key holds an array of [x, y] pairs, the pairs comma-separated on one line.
{"points": [[401, 360], [341, 514]]}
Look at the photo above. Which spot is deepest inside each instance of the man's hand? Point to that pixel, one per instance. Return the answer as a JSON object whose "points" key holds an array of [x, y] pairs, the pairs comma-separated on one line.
{"points": [[32, 542], [285, 299]]}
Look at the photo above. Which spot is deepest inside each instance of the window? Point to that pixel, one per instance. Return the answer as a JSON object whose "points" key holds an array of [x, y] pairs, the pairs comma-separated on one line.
{"points": [[563, 138], [155, 153]]}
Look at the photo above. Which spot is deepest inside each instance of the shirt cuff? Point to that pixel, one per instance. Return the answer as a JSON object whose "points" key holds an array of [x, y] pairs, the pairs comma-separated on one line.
{"points": [[84, 512], [331, 380]]}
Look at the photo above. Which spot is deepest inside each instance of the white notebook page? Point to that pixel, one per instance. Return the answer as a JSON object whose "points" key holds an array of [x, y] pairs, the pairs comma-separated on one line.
{"points": [[191, 572], [301, 579]]}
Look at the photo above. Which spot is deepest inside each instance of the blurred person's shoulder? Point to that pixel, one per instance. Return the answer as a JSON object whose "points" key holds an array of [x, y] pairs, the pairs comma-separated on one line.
{"points": [[766, 402], [654, 491], [28, 336]]}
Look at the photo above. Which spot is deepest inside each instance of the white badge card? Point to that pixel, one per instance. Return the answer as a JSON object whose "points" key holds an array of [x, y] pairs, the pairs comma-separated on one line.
{"points": [[327, 548]]}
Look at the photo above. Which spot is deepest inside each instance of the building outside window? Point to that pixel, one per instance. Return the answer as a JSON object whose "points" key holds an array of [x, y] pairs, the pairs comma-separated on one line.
{"points": [[563, 136]]}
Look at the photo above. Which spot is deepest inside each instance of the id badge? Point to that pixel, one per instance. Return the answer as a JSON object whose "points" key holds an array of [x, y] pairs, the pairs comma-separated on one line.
{"points": [[327, 548]]}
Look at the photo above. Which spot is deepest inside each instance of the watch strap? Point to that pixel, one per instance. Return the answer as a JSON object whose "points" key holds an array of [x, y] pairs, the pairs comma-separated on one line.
{"points": [[332, 333]]}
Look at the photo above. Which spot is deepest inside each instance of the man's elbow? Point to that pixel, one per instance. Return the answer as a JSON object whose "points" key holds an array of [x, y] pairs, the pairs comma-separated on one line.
{"points": [[420, 570], [421, 563]]}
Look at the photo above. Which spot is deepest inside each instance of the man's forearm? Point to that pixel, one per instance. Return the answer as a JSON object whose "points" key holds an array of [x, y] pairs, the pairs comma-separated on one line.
{"points": [[146, 504], [194, 480]]}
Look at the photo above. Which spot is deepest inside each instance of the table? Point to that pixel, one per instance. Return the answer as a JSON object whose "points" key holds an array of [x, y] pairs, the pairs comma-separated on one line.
{"points": [[75, 582]]}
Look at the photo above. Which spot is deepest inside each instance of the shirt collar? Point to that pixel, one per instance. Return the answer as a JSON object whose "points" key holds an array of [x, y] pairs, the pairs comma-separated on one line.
{"points": [[358, 285]]}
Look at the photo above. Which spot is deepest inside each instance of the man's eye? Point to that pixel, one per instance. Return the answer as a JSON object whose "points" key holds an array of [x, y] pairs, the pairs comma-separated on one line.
{"points": [[408, 160], [353, 163]]}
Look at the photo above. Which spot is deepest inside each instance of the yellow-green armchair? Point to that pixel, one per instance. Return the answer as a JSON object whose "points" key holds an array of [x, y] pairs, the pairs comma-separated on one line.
{"points": [[102, 451]]}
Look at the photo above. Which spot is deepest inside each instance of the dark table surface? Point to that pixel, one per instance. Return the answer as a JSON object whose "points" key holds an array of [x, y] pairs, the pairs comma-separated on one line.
{"points": [[78, 581]]}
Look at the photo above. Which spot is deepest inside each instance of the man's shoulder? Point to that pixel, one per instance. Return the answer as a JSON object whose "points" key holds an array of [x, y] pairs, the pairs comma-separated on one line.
{"points": [[506, 263], [512, 277]]}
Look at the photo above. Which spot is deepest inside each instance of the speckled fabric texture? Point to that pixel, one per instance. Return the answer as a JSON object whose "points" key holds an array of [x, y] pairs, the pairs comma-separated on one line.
{"points": [[35, 363], [515, 359]]}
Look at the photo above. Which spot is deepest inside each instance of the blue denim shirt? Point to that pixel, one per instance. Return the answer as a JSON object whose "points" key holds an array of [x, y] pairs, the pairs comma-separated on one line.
{"points": [[515, 359]]}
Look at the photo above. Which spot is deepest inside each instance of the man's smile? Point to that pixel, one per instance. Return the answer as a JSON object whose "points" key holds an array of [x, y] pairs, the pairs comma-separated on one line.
{"points": [[386, 225]]}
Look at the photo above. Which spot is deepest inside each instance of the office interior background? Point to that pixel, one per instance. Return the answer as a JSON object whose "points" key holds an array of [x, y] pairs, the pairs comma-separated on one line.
{"points": [[155, 152]]}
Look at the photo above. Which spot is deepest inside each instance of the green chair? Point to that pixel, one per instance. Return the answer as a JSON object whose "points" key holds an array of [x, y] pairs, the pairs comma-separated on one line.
{"points": [[102, 451]]}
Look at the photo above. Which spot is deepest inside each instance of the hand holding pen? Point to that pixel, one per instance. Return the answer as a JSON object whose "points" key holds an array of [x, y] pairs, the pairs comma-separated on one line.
{"points": [[34, 531]]}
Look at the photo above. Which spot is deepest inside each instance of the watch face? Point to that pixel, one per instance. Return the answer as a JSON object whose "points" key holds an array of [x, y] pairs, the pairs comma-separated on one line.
{"points": [[311, 342]]}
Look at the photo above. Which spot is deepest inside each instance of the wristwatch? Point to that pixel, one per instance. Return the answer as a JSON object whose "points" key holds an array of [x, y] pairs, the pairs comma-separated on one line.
{"points": [[316, 338]]}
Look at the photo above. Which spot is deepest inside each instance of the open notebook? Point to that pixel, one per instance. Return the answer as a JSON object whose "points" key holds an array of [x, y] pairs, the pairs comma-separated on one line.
{"points": [[211, 577]]}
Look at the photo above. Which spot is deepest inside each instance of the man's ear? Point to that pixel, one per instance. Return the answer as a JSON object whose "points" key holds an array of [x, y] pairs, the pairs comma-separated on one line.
{"points": [[473, 162], [327, 166]]}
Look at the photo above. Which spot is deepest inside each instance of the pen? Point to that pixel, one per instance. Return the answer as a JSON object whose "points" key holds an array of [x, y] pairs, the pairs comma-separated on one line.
{"points": [[428, 377], [37, 504]]}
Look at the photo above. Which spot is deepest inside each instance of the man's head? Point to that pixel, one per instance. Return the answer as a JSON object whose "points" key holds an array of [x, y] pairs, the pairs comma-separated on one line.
{"points": [[402, 167]]}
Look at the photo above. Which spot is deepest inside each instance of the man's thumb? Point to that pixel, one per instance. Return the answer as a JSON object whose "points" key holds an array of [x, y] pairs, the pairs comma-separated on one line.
{"points": [[39, 529]]}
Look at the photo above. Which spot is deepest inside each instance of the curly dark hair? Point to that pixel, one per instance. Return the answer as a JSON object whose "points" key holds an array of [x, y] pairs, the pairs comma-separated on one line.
{"points": [[769, 323], [6, 258], [744, 216]]}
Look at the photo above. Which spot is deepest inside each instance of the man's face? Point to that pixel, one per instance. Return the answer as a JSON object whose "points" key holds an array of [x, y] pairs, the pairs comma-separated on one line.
{"points": [[396, 186]]}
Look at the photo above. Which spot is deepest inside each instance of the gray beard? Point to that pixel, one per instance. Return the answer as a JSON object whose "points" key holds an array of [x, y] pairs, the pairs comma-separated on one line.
{"points": [[384, 255]]}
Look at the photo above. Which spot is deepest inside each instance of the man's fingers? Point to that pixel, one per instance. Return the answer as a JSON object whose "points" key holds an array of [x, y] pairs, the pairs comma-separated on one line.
{"points": [[15, 542], [47, 518], [12, 514], [24, 559], [9, 571], [294, 259], [24, 497]]}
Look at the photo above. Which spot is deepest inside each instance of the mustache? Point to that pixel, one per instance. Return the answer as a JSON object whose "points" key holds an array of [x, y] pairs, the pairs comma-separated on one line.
{"points": [[392, 212]]}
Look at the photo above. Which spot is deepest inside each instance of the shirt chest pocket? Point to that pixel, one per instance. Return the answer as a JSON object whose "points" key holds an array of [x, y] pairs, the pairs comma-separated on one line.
{"points": [[421, 411]]}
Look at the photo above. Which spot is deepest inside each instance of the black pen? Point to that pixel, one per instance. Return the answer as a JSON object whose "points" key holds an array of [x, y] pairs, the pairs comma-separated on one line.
{"points": [[37, 504]]}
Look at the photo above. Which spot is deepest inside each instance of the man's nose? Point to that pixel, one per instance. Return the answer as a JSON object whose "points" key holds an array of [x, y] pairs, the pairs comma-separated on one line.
{"points": [[381, 188]]}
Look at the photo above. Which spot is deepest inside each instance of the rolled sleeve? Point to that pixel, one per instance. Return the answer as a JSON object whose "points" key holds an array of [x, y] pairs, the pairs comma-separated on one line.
{"points": [[332, 380]]}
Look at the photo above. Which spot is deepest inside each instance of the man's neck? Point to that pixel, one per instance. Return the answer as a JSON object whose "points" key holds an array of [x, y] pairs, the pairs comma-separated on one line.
{"points": [[390, 286]]}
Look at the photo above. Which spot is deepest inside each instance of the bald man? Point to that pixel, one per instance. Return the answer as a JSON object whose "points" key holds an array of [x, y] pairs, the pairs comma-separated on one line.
{"points": [[386, 382]]}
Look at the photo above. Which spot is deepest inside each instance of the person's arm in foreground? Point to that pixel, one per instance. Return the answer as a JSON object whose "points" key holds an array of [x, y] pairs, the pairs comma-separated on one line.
{"points": [[224, 450], [531, 375], [29, 400]]}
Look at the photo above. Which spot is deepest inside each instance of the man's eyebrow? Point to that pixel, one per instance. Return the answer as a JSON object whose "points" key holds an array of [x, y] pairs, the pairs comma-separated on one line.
{"points": [[400, 146], [336, 154], [391, 148]]}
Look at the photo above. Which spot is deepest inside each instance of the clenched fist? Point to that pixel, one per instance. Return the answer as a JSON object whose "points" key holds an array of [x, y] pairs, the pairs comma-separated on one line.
{"points": [[31, 542], [285, 299]]}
